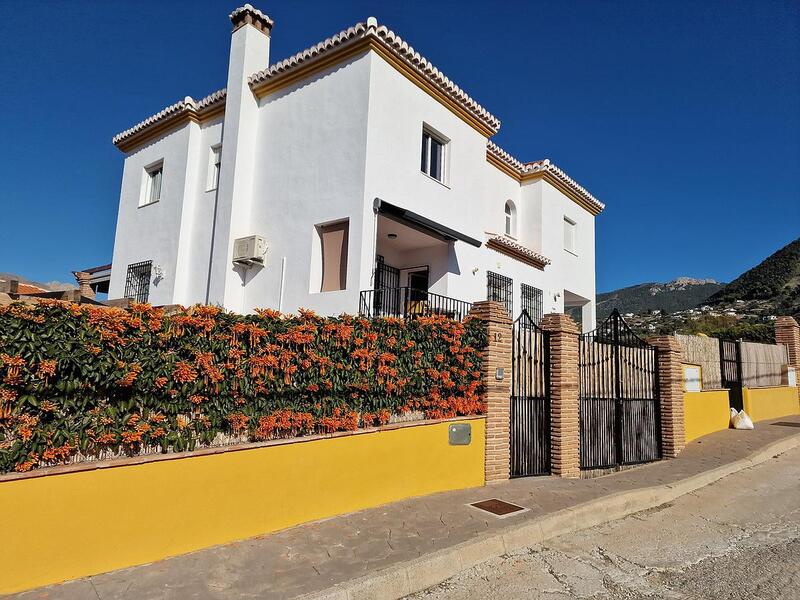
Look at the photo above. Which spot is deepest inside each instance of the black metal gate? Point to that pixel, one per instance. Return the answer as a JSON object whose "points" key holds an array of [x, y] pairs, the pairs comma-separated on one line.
{"points": [[619, 405], [530, 399], [730, 363], [386, 299]]}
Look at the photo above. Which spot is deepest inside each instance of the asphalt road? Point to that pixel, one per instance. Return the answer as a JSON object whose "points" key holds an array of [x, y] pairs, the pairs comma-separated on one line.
{"points": [[736, 539]]}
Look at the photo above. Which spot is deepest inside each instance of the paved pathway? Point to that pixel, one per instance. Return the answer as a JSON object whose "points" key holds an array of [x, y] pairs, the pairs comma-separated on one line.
{"points": [[738, 538], [316, 556]]}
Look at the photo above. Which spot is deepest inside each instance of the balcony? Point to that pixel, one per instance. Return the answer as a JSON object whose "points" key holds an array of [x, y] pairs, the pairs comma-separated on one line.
{"points": [[409, 303]]}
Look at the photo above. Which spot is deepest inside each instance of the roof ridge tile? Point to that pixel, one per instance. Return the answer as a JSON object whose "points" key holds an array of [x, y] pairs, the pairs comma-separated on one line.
{"points": [[544, 165]]}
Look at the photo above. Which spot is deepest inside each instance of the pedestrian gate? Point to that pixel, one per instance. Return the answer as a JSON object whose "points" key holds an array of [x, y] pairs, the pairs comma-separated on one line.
{"points": [[730, 362], [530, 399], [619, 405]]}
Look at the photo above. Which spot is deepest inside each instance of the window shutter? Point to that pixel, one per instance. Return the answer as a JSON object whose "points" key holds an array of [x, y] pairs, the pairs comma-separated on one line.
{"points": [[155, 185], [334, 256]]}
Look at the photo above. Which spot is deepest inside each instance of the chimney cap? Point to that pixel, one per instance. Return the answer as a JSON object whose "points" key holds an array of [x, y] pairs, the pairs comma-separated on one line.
{"points": [[248, 15]]}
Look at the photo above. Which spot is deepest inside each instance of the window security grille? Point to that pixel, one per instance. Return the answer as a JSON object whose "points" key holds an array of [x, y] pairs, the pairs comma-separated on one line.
{"points": [[137, 282], [533, 302], [500, 289]]}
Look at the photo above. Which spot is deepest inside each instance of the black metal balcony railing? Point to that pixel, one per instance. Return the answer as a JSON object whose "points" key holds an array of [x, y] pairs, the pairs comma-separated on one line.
{"points": [[408, 303]]}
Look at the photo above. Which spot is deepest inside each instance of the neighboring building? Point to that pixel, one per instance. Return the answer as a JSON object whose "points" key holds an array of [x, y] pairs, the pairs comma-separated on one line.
{"points": [[93, 281], [14, 286], [362, 167]]}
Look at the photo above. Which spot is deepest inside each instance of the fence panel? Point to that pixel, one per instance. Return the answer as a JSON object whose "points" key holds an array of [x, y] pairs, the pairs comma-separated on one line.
{"points": [[703, 351], [763, 364]]}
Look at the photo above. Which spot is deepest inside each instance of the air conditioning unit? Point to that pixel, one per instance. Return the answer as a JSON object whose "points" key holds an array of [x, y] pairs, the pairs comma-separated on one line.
{"points": [[249, 250]]}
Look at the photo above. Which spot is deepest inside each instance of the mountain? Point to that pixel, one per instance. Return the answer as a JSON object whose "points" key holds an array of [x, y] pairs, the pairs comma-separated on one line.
{"points": [[681, 294], [773, 285]]}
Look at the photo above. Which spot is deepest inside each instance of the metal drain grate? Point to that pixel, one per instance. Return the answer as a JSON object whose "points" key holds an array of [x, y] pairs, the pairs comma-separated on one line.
{"points": [[498, 508], [787, 424]]}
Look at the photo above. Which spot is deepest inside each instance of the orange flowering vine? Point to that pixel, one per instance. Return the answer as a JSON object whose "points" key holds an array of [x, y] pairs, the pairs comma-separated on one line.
{"points": [[146, 379]]}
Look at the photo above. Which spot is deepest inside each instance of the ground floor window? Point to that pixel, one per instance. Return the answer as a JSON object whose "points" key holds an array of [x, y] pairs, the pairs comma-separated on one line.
{"points": [[137, 281], [500, 289]]}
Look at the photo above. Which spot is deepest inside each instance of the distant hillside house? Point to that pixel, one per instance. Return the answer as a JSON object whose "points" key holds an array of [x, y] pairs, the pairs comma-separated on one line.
{"points": [[352, 176], [14, 286]]}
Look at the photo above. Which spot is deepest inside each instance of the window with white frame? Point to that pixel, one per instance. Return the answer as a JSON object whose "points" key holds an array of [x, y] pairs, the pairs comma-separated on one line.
{"points": [[570, 235], [214, 164], [434, 149], [511, 219], [151, 190]]}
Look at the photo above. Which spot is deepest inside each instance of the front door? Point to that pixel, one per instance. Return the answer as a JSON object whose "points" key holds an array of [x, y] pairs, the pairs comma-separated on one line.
{"points": [[417, 292], [418, 284]]}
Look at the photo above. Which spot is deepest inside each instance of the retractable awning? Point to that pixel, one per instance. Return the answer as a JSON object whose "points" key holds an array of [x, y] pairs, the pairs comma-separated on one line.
{"points": [[420, 223]]}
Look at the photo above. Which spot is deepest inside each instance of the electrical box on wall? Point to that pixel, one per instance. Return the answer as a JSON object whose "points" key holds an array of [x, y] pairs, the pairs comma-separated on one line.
{"points": [[249, 250]]}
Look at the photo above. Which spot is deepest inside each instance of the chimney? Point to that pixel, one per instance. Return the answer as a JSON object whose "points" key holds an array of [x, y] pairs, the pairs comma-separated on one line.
{"points": [[249, 55], [247, 15], [83, 280]]}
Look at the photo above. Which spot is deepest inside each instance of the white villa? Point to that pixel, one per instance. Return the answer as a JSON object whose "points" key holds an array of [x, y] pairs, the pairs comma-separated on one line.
{"points": [[356, 177]]}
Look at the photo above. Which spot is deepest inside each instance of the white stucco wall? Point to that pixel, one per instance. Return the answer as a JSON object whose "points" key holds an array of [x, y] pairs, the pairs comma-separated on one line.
{"points": [[249, 53], [152, 232], [473, 201], [309, 171], [192, 276], [320, 151]]}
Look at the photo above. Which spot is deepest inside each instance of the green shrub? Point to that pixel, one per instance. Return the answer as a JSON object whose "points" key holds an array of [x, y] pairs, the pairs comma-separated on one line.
{"points": [[81, 381]]}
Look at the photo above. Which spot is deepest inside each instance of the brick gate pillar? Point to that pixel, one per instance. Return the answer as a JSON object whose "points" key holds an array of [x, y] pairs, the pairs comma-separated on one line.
{"points": [[787, 332], [670, 394], [564, 404], [497, 386]]}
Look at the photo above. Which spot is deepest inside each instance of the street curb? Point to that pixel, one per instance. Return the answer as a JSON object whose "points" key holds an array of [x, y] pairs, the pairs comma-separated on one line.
{"points": [[429, 570]]}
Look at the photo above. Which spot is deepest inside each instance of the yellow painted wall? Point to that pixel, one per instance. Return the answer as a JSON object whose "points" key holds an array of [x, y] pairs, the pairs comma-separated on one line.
{"points": [[770, 403], [705, 412], [71, 525]]}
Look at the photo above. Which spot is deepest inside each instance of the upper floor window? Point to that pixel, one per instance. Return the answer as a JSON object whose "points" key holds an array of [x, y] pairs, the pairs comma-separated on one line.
{"points": [[570, 234], [434, 149], [214, 164], [151, 190], [511, 219]]}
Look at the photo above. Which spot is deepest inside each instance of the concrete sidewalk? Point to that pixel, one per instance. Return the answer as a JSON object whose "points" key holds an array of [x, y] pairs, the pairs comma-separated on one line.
{"points": [[393, 550]]}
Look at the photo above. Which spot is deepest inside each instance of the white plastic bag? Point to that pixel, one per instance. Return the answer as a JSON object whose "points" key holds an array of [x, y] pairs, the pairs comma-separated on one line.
{"points": [[740, 420]]}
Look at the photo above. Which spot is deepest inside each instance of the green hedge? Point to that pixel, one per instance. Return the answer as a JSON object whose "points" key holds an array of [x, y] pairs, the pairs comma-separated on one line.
{"points": [[93, 381]]}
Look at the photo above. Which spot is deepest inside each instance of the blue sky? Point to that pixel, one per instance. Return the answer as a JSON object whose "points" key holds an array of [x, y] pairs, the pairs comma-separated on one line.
{"points": [[683, 117]]}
